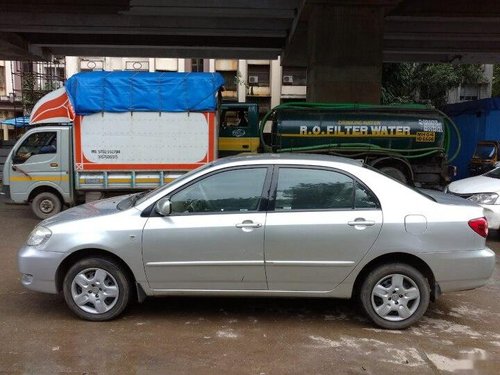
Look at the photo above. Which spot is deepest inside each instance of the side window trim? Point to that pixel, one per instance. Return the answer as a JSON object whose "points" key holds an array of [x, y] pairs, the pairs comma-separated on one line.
{"points": [[274, 189], [263, 202]]}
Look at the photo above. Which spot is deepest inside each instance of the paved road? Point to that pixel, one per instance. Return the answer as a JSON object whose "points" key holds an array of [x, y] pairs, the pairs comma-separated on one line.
{"points": [[38, 334]]}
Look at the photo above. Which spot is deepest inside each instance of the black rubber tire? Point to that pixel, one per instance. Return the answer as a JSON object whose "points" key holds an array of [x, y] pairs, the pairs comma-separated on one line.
{"points": [[395, 173], [377, 274], [111, 267], [42, 198]]}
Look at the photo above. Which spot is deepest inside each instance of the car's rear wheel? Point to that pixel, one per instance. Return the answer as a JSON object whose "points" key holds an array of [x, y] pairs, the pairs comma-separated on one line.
{"points": [[395, 295], [96, 289]]}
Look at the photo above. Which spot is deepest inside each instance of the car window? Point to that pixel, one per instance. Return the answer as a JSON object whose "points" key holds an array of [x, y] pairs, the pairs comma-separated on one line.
{"points": [[304, 189], [235, 117], [238, 190], [318, 189], [37, 143]]}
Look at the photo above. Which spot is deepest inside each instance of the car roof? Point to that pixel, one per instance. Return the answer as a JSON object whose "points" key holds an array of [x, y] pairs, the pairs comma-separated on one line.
{"points": [[284, 157]]}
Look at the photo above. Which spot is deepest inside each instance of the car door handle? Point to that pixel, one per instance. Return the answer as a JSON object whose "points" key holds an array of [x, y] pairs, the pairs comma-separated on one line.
{"points": [[54, 165], [367, 223], [249, 224]]}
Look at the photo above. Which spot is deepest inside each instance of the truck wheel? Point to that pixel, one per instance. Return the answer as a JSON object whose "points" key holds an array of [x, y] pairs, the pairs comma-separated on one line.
{"points": [[395, 295], [394, 173], [96, 289], [45, 205]]}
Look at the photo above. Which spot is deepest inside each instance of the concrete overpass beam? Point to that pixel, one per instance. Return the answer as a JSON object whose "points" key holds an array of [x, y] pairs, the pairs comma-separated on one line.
{"points": [[14, 47], [345, 53]]}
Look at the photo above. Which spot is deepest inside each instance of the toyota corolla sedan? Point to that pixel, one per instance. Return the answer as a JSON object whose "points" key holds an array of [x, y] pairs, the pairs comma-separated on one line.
{"points": [[483, 190], [264, 225]]}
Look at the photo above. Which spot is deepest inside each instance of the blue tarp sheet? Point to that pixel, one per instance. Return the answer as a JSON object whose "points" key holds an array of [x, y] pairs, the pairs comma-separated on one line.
{"points": [[18, 122], [92, 92]]}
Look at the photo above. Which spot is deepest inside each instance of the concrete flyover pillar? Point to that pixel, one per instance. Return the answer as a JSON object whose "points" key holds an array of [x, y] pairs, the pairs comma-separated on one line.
{"points": [[345, 53]]}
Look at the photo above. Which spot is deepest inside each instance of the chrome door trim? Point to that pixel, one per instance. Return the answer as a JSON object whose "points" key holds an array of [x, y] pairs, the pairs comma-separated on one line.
{"points": [[340, 263], [208, 263]]}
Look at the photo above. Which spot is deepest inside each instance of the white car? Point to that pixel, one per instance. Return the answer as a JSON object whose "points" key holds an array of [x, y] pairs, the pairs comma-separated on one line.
{"points": [[483, 190]]}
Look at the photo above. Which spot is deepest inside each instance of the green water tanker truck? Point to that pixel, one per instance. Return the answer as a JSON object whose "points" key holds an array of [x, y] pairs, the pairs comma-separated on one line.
{"points": [[407, 142]]}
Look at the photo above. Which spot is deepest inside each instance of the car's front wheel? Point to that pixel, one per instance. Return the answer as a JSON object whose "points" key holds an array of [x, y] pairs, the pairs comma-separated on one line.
{"points": [[395, 295], [96, 289]]}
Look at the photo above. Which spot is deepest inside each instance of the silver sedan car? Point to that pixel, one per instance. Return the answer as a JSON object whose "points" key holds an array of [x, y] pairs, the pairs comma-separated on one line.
{"points": [[264, 225]]}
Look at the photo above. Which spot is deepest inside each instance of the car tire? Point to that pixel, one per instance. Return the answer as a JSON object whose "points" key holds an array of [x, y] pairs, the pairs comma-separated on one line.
{"points": [[395, 296], [45, 205], [395, 173], [96, 289]]}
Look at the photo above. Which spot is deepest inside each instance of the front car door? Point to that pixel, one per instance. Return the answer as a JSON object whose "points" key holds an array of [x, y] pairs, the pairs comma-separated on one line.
{"points": [[214, 238], [324, 221]]}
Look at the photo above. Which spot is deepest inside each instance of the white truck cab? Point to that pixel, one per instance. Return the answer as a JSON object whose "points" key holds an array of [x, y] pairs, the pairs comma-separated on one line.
{"points": [[38, 170]]}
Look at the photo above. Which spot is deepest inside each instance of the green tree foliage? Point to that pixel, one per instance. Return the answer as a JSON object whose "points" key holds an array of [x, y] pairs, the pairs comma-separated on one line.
{"points": [[425, 83], [496, 81]]}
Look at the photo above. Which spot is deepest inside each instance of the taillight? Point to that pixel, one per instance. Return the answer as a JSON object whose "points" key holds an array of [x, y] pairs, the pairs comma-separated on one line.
{"points": [[480, 226]]}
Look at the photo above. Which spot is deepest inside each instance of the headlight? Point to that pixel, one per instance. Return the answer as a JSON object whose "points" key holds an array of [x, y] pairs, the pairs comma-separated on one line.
{"points": [[39, 236], [484, 198]]}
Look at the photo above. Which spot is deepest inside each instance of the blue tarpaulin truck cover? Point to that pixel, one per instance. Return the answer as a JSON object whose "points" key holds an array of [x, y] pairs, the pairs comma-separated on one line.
{"points": [[92, 92]]}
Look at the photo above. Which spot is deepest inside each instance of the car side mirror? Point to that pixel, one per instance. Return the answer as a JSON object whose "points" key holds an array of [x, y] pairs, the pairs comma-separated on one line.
{"points": [[163, 207]]}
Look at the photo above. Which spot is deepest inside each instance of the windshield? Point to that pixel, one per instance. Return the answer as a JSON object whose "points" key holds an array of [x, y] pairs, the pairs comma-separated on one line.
{"points": [[494, 173], [484, 152]]}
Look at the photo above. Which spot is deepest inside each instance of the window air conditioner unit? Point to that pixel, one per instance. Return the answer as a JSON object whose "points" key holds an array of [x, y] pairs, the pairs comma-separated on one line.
{"points": [[287, 79], [253, 79]]}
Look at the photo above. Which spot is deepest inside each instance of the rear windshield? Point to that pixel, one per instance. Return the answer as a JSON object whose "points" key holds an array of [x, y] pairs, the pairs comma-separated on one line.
{"points": [[485, 152]]}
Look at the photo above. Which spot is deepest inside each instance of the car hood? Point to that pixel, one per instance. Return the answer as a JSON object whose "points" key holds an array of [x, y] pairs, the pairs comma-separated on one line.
{"points": [[477, 184], [85, 211]]}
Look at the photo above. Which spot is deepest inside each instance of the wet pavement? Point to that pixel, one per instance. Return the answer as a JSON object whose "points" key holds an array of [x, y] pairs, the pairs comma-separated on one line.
{"points": [[38, 335]]}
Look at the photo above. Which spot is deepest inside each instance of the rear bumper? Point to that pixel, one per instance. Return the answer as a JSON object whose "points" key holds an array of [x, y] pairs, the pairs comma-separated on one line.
{"points": [[461, 270]]}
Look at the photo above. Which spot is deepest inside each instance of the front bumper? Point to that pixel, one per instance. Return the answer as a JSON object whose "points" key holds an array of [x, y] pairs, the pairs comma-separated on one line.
{"points": [[38, 268], [461, 270]]}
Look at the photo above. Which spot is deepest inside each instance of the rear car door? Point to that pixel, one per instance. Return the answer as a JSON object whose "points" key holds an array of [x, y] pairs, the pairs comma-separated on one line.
{"points": [[321, 223]]}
